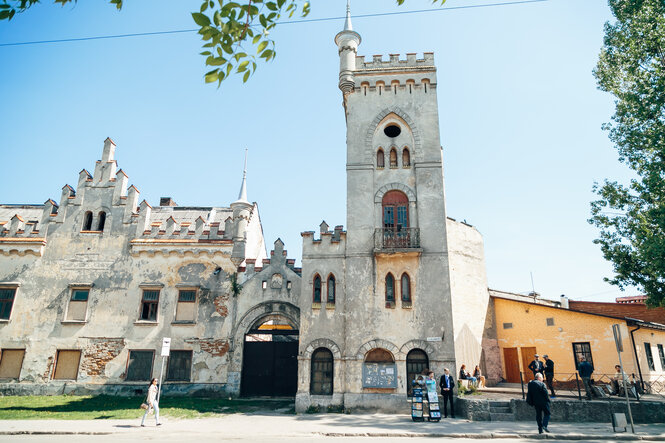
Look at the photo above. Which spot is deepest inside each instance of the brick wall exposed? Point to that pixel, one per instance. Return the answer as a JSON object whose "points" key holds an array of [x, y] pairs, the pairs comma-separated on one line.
{"points": [[216, 348], [220, 305], [98, 353]]}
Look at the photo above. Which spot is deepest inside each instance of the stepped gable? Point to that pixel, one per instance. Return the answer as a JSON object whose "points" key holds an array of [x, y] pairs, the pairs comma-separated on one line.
{"points": [[637, 311]]}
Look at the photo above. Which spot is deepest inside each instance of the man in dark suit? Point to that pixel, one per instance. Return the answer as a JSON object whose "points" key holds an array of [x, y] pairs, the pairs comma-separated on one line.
{"points": [[549, 373], [538, 398], [536, 366], [447, 384]]}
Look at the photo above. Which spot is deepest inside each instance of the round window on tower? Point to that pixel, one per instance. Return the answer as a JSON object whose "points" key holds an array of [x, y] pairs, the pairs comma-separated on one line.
{"points": [[392, 130]]}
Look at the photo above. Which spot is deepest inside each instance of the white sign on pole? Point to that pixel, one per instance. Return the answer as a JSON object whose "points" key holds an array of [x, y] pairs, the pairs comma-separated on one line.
{"points": [[166, 346], [617, 338]]}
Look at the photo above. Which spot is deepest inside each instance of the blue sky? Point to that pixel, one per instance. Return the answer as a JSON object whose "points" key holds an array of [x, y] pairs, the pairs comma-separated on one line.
{"points": [[519, 109]]}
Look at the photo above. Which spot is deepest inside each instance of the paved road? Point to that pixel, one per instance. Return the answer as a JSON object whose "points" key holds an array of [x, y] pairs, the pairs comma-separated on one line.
{"points": [[205, 438]]}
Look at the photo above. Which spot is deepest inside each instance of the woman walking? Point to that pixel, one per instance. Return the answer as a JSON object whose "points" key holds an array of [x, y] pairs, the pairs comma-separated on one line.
{"points": [[151, 400]]}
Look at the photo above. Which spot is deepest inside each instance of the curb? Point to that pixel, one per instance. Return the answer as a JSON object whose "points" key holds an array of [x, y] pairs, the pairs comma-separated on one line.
{"points": [[54, 433], [489, 435]]}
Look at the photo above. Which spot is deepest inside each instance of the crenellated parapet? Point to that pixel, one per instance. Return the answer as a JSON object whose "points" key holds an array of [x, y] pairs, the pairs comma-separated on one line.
{"points": [[410, 75], [329, 243]]}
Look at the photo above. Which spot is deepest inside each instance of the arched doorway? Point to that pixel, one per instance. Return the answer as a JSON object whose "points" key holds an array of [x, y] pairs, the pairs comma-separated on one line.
{"points": [[416, 362], [270, 358]]}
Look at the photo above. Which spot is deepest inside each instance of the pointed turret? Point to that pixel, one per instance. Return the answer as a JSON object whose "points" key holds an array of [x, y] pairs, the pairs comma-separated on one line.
{"points": [[347, 42], [241, 213]]}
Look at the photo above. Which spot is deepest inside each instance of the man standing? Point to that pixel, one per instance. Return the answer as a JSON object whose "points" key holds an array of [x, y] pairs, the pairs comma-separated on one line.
{"points": [[536, 366], [585, 369], [537, 397], [447, 384], [549, 373]]}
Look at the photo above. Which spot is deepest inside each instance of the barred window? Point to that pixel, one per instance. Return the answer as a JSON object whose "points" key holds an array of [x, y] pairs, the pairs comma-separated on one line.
{"points": [[321, 380], [139, 366], [180, 366], [186, 308]]}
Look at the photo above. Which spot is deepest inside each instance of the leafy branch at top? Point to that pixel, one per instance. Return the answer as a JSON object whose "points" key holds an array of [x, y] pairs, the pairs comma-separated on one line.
{"points": [[236, 33]]}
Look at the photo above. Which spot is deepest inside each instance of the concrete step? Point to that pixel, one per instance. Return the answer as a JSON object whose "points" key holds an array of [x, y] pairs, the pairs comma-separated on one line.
{"points": [[495, 416], [500, 404], [500, 410]]}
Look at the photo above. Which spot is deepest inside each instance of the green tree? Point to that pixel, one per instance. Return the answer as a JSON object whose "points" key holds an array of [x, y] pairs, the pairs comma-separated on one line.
{"points": [[631, 217], [236, 34]]}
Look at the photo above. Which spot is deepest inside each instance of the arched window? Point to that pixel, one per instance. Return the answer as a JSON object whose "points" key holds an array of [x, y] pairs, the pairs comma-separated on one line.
{"points": [[380, 159], [317, 289], [390, 290], [331, 290], [406, 290], [321, 378], [395, 210], [406, 158], [87, 221], [102, 221], [379, 355], [393, 158], [416, 363]]}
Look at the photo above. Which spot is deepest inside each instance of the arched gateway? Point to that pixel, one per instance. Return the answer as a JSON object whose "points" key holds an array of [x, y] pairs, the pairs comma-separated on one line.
{"points": [[270, 350]]}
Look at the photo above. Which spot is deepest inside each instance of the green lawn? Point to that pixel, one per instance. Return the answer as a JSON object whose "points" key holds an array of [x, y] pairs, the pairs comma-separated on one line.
{"points": [[70, 407]]}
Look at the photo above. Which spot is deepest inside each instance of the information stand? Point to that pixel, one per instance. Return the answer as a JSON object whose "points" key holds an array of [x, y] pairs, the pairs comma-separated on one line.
{"points": [[417, 405], [433, 403]]}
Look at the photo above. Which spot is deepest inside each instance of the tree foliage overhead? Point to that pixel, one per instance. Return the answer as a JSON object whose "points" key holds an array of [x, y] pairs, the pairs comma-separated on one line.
{"points": [[631, 217], [236, 34]]}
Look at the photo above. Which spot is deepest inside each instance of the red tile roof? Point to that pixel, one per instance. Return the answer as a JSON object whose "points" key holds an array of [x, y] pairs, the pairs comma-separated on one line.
{"points": [[631, 310]]}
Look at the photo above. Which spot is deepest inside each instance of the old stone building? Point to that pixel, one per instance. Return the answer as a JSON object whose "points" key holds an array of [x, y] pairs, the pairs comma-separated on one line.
{"points": [[91, 285]]}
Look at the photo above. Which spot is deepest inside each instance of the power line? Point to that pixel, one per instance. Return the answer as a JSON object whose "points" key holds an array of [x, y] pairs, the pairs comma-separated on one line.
{"points": [[144, 34]]}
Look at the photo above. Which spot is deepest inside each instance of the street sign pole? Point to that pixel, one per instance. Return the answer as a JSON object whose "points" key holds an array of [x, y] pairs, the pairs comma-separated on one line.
{"points": [[619, 344], [166, 349]]}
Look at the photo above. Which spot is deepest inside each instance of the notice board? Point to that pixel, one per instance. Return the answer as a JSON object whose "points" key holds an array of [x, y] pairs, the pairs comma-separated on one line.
{"points": [[379, 375]]}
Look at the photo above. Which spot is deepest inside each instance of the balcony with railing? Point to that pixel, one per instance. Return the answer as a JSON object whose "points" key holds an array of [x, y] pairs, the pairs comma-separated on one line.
{"points": [[401, 239]]}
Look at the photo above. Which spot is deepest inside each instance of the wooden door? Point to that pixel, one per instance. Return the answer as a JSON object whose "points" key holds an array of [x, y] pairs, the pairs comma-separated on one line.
{"points": [[527, 358], [512, 365]]}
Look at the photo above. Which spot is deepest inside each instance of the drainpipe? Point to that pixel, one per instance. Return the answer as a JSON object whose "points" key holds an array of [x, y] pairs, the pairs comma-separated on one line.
{"points": [[637, 358]]}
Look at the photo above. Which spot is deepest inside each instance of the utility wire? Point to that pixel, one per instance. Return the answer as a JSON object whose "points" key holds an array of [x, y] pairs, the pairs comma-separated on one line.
{"points": [[142, 34]]}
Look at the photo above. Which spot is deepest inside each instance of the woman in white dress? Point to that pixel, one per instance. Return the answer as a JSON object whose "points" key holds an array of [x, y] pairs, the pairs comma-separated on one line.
{"points": [[151, 400]]}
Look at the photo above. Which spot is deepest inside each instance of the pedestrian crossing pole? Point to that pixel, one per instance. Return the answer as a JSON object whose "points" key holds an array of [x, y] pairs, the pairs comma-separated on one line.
{"points": [[166, 350]]}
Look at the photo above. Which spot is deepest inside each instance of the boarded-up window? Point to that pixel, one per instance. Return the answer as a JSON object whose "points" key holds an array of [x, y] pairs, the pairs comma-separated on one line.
{"points": [[67, 365], [11, 361], [186, 309], [180, 366], [149, 304], [6, 302], [139, 367], [78, 304]]}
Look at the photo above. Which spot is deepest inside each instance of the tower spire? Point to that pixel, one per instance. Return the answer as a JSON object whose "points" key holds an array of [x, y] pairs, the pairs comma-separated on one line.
{"points": [[347, 23], [242, 195]]}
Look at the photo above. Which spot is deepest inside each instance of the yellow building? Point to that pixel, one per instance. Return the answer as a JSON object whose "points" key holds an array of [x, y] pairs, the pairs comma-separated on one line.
{"points": [[527, 325]]}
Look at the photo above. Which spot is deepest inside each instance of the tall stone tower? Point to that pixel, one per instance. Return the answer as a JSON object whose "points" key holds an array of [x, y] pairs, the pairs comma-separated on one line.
{"points": [[388, 315]]}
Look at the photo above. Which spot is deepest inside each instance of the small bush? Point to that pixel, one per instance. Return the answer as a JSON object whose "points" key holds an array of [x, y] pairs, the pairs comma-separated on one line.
{"points": [[336, 409], [313, 409]]}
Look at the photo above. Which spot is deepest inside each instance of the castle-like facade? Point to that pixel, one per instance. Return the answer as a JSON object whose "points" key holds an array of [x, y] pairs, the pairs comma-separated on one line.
{"points": [[91, 285]]}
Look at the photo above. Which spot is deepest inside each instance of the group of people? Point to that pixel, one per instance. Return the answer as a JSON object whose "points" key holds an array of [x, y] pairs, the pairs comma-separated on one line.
{"points": [[537, 395], [477, 379], [447, 384]]}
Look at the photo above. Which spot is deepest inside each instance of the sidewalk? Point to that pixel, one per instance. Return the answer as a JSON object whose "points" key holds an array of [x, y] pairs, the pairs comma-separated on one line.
{"points": [[332, 425]]}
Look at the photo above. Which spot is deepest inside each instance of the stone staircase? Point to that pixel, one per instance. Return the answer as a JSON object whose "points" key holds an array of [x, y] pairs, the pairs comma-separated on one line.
{"points": [[501, 411]]}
